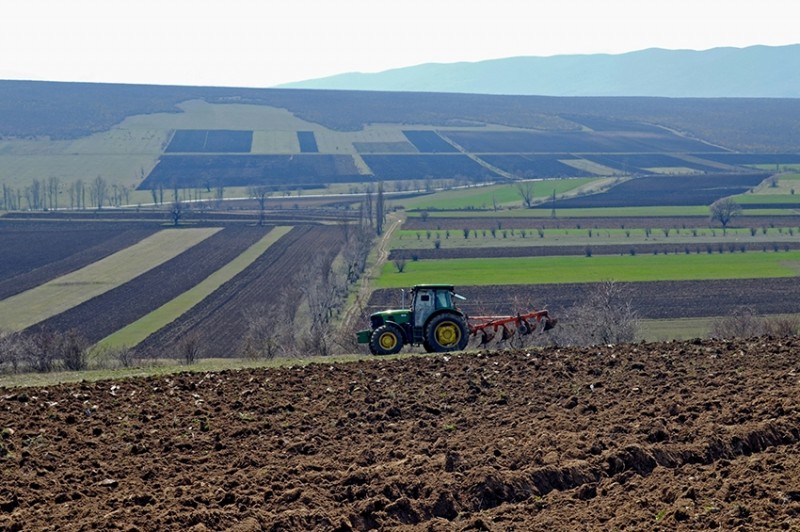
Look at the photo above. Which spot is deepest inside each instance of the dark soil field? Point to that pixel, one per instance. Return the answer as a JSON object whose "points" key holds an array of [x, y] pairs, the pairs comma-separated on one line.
{"points": [[102, 315], [36, 252], [651, 300], [672, 436], [271, 286]]}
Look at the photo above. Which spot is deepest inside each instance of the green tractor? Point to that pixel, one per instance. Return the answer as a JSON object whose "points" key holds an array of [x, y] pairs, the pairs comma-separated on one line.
{"points": [[434, 322]]}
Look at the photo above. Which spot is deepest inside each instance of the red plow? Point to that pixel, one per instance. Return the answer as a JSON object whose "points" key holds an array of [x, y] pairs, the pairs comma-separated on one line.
{"points": [[489, 326]]}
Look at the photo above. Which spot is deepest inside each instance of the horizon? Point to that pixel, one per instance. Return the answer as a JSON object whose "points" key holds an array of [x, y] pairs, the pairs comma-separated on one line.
{"points": [[243, 44]]}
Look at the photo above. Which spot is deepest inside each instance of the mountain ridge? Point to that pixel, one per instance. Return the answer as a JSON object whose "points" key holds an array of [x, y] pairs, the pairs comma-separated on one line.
{"points": [[726, 72]]}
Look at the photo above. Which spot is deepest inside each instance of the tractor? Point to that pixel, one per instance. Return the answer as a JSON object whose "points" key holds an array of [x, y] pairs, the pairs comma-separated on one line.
{"points": [[435, 322]]}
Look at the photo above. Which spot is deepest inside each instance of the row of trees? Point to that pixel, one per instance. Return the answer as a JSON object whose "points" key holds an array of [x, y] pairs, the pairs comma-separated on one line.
{"points": [[289, 328], [43, 351], [52, 194]]}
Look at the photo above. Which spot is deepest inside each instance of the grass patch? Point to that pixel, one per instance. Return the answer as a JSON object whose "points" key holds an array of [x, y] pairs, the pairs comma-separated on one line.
{"points": [[165, 367], [137, 331], [580, 269], [677, 329], [485, 197], [32, 306]]}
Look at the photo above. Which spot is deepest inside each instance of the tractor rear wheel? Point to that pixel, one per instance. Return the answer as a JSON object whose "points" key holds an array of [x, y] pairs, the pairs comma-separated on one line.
{"points": [[446, 332], [386, 340]]}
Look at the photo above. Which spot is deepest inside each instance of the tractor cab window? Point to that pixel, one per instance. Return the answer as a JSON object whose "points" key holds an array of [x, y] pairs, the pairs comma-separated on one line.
{"points": [[442, 299]]}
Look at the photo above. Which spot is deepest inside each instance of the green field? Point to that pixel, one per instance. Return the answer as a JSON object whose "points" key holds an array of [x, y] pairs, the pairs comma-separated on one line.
{"points": [[485, 197], [139, 330], [547, 270], [32, 306]]}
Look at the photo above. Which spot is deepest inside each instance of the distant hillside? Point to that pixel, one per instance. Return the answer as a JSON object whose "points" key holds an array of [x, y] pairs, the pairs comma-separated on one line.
{"points": [[756, 72], [32, 109]]}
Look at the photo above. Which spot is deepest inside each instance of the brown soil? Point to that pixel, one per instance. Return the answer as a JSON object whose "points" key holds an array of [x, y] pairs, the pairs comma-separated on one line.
{"points": [[702, 435]]}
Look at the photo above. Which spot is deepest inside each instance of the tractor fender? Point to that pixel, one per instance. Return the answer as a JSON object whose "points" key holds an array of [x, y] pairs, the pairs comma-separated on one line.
{"points": [[445, 311], [407, 338]]}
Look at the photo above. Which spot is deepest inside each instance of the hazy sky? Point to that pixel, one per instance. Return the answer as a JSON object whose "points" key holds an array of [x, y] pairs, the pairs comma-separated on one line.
{"points": [[261, 43]]}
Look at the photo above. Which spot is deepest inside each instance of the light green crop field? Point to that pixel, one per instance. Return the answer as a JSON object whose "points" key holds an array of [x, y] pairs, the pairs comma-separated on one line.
{"points": [[37, 304], [768, 199], [581, 269], [485, 197], [137, 331], [594, 237]]}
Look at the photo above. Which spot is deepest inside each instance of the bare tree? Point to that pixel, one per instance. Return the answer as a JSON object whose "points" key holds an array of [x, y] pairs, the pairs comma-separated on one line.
{"points": [[260, 193], [9, 350], [368, 201], [53, 189], [80, 194], [219, 194], [38, 350], [176, 208], [268, 332], [72, 349], [380, 206], [34, 195], [98, 192], [399, 264], [190, 348], [525, 190], [605, 316], [724, 210]]}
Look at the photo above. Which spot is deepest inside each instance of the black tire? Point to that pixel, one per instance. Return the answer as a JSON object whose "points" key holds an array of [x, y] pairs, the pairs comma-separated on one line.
{"points": [[447, 332], [386, 340]]}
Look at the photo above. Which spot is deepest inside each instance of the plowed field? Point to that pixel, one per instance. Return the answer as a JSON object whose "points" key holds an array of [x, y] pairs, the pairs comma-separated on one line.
{"points": [[272, 285], [672, 436]]}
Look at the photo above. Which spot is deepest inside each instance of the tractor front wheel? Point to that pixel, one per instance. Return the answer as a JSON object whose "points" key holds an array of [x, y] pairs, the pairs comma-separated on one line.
{"points": [[446, 332], [386, 340]]}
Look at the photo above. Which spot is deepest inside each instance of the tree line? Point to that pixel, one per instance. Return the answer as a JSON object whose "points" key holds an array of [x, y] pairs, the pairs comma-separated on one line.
{"points": [[53, 194]]}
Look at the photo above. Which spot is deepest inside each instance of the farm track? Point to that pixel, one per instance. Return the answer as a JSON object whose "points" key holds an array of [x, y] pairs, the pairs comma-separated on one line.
{"points": [[100, 316], [631, 222], [669, 436], [39, 252], [271, 286], [651, 299]]}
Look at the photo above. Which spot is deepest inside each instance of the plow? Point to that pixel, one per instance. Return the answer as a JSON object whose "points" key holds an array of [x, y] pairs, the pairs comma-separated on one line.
{"points": [[435, 322], [488, 327]]}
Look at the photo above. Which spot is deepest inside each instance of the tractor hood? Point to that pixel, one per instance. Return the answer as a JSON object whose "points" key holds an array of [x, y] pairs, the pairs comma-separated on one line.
{"points": [[398, 316]]}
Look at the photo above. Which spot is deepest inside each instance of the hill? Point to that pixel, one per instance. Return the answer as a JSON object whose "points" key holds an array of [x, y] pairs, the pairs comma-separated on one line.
{"points": [[756, 71], [32, 109]]}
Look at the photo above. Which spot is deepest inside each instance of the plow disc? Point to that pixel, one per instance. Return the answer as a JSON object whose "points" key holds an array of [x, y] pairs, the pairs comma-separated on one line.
{"points": [[486, 328]]}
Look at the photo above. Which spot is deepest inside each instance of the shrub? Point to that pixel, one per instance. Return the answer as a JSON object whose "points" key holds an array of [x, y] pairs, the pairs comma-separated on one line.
{"points": [[743, 323], [72, 348]]}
